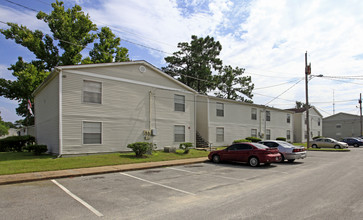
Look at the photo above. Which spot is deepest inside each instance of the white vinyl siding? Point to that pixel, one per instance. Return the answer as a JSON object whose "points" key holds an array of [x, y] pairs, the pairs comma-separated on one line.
{"points": [[254, 114], [179, 103], [179, 133], [92, 132], [92, 92], [220, 109], [220, 135]]}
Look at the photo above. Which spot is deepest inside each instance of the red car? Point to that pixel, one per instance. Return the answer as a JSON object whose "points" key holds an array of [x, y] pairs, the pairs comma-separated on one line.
{"points": [[252, 153]]}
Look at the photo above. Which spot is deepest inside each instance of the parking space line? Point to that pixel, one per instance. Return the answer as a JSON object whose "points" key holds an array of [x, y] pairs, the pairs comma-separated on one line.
{"points": [[169, 187], [78, 199], [224, 177]]}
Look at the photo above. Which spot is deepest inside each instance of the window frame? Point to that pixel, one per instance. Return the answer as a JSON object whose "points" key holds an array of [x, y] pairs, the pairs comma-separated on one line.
{"points": [[288, 119], [268, 116], [268, 134], [219, 111], [83, 92], [252, 130], [288, 135], [253, 113], [220, 137], [175, 134], [83, 132], [177, 105]]}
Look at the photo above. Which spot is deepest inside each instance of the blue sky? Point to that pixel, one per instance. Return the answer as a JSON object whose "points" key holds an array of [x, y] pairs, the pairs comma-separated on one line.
{"points": [[267, 38]]}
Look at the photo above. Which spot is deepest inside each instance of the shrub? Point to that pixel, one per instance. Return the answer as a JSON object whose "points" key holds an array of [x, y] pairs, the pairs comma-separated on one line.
{"points": [[37, 149], [281, 139], [15, 143], [140, 148], [241, 140], [186, 147], [253, 139]]}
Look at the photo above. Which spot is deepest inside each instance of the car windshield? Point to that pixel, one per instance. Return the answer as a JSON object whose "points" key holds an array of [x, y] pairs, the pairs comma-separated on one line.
{"points": [[260, 146]]}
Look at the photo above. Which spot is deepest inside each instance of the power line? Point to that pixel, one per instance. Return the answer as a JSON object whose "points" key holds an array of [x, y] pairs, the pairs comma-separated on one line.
{"points": [[273, 85], [285, 91], [20, 5]]}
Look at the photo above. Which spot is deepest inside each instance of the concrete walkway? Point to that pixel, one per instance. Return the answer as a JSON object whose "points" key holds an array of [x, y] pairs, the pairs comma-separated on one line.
{"points": [[27, 177]]}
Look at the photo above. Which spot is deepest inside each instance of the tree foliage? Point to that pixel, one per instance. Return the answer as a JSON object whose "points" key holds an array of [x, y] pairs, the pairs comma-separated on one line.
{"points": [[193, 63], [232, 85], [4, 128], [71, 31], [301, 105]]}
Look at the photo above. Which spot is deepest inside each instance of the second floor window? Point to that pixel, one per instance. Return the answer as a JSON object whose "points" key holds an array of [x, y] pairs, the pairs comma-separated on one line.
{"points": [[179, 103], [288, 118], [318, 121], [220, 109], [254, 114], [92, 92], [268, 116]]}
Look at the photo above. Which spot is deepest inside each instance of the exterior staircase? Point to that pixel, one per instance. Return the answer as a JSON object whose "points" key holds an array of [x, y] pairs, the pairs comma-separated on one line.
{"points": [[201, 142]]}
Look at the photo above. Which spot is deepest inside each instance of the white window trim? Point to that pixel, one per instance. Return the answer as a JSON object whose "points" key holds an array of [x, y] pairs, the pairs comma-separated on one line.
{"points": [[83, 133], [222, 104], [179, 103], [175, 134], [251, 132], [253, 114], [217, 134], [92, 103]]}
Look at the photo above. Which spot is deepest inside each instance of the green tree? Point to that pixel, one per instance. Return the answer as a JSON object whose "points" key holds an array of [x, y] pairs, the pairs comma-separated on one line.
{"points": [[4, 129], [72, 31], [193, 63], [108, 49], [301, 105], [232, 85]]}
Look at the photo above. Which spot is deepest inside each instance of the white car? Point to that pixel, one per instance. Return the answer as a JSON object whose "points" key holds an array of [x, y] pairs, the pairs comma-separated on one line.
{"points": [[288, 151]]}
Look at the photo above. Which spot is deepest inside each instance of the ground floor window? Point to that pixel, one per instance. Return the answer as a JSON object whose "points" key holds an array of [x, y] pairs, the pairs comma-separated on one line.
{"points": [[179, 133], [220, 135], [268, 134], [288, 135], [92, 132], [253, 132]]}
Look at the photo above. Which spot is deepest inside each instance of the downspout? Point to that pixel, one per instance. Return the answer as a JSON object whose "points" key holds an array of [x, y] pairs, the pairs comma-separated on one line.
{"points": [[150, 94], [60, 115], [195, 121]]}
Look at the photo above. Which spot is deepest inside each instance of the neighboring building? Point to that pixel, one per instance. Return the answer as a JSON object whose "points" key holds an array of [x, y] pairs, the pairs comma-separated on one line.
{"points": [[341, 125], [221, 121], [99, 108], [300, 128]]}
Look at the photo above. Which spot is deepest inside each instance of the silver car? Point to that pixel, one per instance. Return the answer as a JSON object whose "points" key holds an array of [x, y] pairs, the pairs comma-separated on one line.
{"points": [[327, 143], [288, 151]]}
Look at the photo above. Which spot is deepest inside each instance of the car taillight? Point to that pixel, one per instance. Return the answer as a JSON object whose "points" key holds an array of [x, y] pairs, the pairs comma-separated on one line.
{"points": [[297, 150]]}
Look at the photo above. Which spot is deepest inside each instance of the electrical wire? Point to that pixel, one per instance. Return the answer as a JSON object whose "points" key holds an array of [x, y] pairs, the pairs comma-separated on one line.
{"points": [[285, 91]]}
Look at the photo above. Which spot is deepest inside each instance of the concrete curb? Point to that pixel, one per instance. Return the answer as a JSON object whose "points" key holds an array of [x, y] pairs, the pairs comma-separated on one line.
{"points": [[37, 176]]}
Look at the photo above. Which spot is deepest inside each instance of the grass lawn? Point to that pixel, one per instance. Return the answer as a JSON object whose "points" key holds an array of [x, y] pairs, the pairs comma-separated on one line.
{"points": [[15, 162]]}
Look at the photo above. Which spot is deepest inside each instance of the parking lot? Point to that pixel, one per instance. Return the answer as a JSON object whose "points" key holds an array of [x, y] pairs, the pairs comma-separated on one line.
{"points": [[325, 185]]}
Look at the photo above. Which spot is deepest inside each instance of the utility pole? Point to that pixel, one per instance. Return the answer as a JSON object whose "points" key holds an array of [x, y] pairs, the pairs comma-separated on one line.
{"points": [[307, 72], [360, 108]]}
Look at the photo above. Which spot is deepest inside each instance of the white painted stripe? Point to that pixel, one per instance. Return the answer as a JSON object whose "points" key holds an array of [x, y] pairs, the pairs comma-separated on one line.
{"points": [[78, 199], [223, 177], [179, 190]]}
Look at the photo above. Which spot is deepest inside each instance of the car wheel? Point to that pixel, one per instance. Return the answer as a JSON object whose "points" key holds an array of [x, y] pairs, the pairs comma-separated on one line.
{"points": [[253, 162], [216, 158], [282, 158], [314, 146], [356, 145], [292, 160], [337, 147]]}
